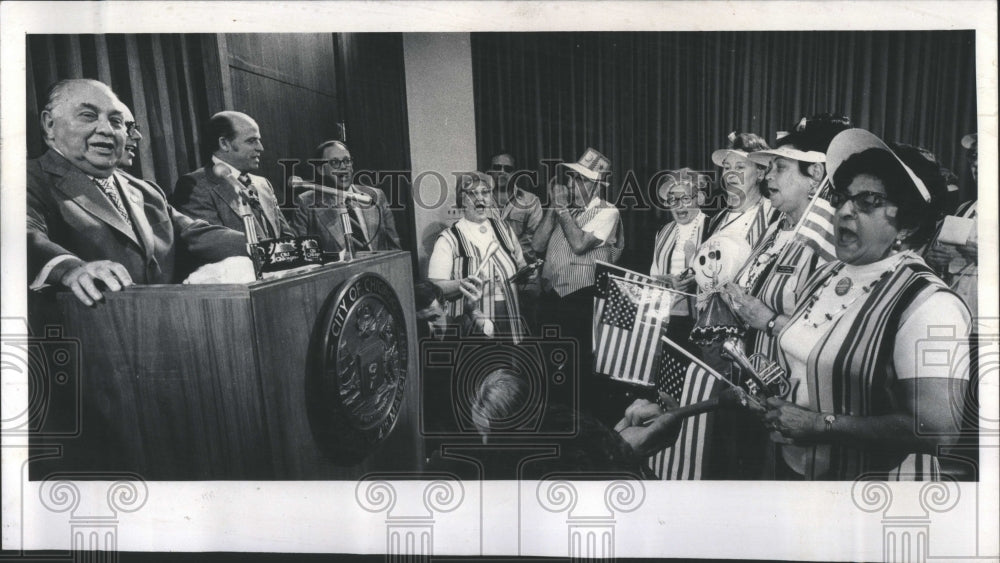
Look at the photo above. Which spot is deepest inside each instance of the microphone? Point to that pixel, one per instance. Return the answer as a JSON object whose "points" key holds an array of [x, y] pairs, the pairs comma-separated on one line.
{"points": [[300, 184], [249, 228]]}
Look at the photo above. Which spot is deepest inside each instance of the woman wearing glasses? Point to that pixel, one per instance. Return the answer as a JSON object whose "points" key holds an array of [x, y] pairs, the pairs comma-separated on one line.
{"points": [[681, 191], [856, 343], [768, 284], [479, 254], [769, 281]]}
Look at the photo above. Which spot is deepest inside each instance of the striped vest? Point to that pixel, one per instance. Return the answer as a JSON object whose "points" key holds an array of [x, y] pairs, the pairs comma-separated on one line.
{"points": [[763, 216], [666, 244], [851, 371], [466, 261], [779, 284], [565, 271]]}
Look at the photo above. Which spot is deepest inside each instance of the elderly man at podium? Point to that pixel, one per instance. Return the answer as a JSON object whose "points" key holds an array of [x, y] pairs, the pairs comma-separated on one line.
{"points": [[91, 227]]}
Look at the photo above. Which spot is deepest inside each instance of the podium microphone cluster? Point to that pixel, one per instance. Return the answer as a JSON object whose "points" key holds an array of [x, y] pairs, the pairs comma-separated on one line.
{"points": [[300, 184]]}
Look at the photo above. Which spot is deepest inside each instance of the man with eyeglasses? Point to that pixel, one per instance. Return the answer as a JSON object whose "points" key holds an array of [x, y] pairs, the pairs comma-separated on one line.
{"points": [[132, 138], [235, 143], [520, 209], [92, 228], [319, 214]]}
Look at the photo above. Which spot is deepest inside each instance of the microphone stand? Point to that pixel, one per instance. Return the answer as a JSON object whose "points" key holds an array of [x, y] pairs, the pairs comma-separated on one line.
{"points": [[250, 230], [345, 218]]}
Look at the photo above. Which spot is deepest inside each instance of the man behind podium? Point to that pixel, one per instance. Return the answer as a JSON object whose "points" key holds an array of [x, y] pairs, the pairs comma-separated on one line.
{"points": [[235, 141], [319, 214], [91, 228]]}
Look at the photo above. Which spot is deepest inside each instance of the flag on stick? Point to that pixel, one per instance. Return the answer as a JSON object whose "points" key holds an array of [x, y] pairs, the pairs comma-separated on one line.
{"points": [[631, 313]]}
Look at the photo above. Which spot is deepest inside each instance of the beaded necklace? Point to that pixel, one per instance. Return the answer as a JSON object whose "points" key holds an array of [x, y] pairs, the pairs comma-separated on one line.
{"points": [[843, 286], [767, 256]]}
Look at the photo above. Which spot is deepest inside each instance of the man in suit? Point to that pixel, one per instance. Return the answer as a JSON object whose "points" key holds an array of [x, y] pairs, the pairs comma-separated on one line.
{"points": [[91, 228], [132, 138], [319, 214], [235, 142]]}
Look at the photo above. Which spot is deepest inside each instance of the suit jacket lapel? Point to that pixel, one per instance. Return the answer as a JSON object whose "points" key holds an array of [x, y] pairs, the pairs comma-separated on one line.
{"points": [[135, 202], [224, 190], [85, 193], [268, 204], [335, 225], [371, 215]]}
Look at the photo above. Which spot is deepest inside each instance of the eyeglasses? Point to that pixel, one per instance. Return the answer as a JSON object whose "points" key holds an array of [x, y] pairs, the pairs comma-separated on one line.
{"points": [[340, 162], [672, 201], [131, 127], [501, 168], [865, 202]]}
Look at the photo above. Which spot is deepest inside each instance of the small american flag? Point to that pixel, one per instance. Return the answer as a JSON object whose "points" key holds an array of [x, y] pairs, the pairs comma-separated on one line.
{"points": [[686, 458], [817, 229], [630, 315]]}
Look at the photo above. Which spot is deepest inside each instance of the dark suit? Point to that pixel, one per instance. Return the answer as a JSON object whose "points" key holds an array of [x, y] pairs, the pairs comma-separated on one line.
{"points": [[203, 195], [69, 214], [322, 219]]}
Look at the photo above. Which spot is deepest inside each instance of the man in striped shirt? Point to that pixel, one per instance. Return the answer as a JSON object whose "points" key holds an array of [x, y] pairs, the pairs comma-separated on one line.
{"points": [[579, 228]]}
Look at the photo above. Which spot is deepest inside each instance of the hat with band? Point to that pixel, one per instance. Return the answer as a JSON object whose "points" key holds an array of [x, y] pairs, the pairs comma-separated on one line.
{"points": [[789, 152], [855, 141], [592, 165]]}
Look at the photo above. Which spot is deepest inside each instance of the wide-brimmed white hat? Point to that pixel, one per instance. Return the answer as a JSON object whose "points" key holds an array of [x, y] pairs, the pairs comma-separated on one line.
{"points": [[854, 141], [789, 152], [592, 165], [719, 156]]}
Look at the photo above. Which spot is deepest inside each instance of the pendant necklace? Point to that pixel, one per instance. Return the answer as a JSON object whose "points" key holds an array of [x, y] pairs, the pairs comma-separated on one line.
{"points": [[844, 285]]}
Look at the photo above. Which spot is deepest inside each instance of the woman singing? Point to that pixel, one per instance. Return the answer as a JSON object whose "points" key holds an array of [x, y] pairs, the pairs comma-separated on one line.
{"points": [[865, 398], [478, 247]]}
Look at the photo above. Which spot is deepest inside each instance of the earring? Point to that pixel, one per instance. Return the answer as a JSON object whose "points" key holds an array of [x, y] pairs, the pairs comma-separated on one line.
{"points": [[897, 245]]}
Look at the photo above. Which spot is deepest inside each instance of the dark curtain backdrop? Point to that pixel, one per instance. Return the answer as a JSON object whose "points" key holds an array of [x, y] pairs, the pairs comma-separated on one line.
{"points": [[657, 101], [161, 77]]}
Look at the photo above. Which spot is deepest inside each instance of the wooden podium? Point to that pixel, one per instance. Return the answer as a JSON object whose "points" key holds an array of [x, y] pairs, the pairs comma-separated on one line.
{"points": [[208, 382]]}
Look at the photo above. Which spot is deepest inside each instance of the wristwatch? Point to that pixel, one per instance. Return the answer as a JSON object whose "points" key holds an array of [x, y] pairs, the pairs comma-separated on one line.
{"points": [[828, 421], [770, 324]]}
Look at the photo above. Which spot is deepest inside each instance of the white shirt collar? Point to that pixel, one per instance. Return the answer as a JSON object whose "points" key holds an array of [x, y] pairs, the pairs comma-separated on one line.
{"points": [[593, 203], [236, 173]]}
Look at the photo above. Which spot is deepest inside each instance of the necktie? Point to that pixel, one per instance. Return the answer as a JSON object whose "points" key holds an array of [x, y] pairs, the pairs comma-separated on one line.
{"points": [[357, 235], [107, 185], [258, 210]]}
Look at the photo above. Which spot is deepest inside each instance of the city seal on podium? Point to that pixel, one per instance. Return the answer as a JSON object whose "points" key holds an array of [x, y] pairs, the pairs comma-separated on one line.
{"points": [[357, 368]]}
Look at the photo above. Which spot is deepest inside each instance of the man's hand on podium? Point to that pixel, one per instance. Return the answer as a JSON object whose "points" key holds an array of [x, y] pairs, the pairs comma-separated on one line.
{"points": [[235, 269], [85, 279]]}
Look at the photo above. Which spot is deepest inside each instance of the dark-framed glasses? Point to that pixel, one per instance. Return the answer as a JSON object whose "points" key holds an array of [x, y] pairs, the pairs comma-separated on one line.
{"points": [[501, 168], [132, 127], [865, 202], [675, 201], [340, 162]]}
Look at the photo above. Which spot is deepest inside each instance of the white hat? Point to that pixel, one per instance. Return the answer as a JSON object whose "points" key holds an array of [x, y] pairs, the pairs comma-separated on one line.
{"points": [[592, 166], [719, 156], [854, 141], [787, 151], [970, 140]]}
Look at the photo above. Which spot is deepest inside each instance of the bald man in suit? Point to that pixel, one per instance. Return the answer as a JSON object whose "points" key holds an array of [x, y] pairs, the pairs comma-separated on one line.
{"points": [[203, 194], [93, 228]]}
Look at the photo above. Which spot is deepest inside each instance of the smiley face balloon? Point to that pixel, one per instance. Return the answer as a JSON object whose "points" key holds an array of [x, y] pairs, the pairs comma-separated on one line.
{"points": [[718, 261]]}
